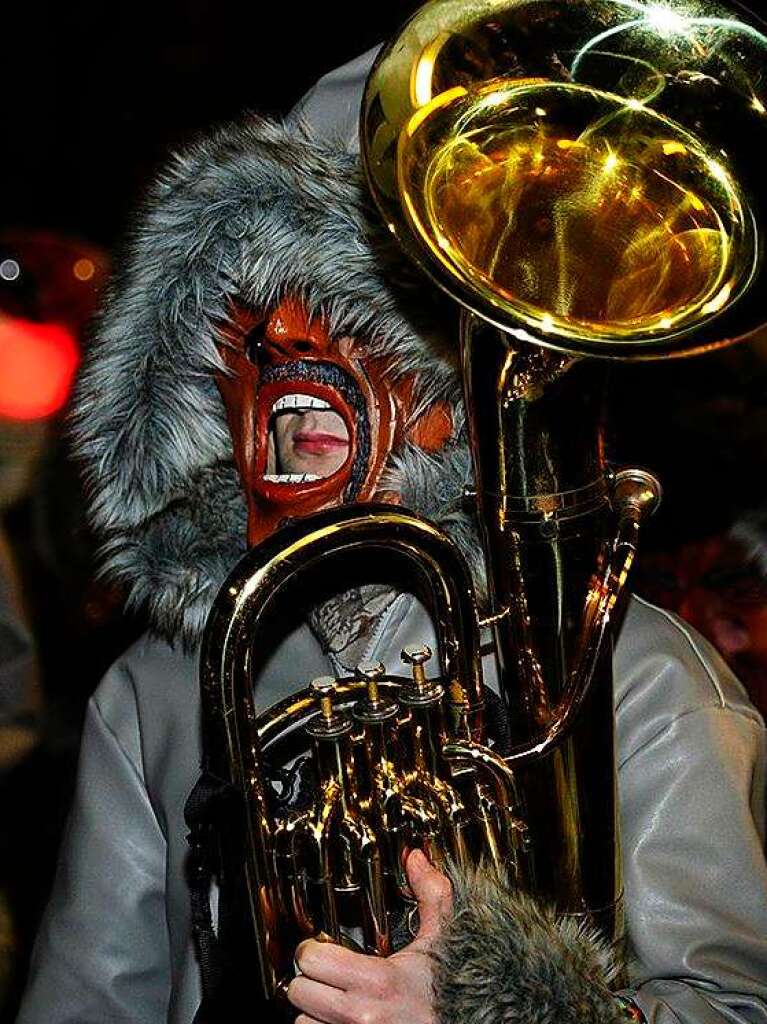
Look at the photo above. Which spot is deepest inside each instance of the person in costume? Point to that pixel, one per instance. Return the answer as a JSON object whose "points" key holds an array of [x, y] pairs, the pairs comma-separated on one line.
{"points": [[263, 354]]}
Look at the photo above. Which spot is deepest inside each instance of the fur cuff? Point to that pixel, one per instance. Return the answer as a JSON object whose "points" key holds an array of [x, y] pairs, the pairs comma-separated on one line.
{"points": [[503, 958]]}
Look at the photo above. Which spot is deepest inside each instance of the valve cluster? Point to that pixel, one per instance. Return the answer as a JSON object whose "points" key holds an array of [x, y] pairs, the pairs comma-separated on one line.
{"points": [[373, 706]]}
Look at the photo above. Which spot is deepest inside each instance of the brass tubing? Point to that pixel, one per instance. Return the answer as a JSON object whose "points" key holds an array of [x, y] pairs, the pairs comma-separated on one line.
{"points": [[233, 749], [266, 571], [323, 840], [506, 801], [375, 924], [600, 603], [543, 496], [542, 491], [288, 866]]}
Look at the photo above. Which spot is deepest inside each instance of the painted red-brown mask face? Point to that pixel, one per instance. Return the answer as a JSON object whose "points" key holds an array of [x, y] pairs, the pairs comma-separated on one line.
{"points": [[313, 419]]}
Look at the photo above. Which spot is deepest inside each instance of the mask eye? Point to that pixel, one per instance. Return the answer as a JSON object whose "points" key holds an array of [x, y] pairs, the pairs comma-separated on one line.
{"points": [[245, 330], [253, 343]]}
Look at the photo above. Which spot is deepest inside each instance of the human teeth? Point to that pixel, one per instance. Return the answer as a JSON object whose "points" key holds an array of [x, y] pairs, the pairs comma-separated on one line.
{"points": [[299, 402], [291, 478]]}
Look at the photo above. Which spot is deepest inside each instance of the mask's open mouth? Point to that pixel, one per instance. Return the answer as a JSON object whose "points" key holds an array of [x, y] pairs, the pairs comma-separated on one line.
{"points": [[307, 441], [312, 432]]}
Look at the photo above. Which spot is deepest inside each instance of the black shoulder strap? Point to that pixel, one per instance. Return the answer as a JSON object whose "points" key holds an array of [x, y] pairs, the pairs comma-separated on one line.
{"points": [[202, 812]]}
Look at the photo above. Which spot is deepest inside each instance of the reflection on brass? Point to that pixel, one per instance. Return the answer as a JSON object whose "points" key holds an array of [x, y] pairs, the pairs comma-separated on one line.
{"points": [[383, 785], [580, 176], [516, 188], [583, 171]]}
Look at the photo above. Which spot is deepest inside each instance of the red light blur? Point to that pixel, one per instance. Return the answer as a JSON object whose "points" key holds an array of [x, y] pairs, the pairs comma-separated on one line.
{"points": [[37, 367]]}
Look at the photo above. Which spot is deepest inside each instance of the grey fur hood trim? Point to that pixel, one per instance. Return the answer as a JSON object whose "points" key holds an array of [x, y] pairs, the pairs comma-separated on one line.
{"points": [[503, 958], [249, 214]]}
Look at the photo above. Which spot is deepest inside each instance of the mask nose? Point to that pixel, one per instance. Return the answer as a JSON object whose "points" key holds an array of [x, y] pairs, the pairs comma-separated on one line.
{"points": [[290, 333]]}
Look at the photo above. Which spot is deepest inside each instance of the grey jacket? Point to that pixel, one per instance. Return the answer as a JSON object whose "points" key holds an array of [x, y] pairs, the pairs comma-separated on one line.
{"points": [[116, 947]]}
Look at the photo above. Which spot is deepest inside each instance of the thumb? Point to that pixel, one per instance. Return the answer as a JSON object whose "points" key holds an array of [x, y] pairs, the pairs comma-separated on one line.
{"points": [[433, 891]]}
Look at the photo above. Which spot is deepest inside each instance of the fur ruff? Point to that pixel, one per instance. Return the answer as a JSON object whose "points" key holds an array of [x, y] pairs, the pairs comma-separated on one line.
{"points": [[249, 214], [503, 958]]}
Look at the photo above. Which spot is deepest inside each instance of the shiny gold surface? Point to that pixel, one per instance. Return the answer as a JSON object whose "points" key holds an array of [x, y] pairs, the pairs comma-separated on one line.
{"points": [[581, 174], [516, 188], [400, 763], [384, 787], [307, 873], [583, 169]]}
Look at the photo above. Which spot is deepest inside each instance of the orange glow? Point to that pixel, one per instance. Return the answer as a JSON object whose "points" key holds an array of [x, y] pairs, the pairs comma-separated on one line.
{"points": [[37, 366], [84, 269]]}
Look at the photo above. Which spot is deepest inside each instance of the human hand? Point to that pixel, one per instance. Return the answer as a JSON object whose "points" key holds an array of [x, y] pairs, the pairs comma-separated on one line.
{"points": [[338, 986]]}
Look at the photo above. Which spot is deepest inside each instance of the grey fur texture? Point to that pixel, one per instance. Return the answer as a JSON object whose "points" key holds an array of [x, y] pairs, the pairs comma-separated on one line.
{"points": [[248, 214], [504, 958]]}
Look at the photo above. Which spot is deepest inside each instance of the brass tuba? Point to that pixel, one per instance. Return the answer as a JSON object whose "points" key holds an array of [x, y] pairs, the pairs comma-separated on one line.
{"points": [[579, 175]]}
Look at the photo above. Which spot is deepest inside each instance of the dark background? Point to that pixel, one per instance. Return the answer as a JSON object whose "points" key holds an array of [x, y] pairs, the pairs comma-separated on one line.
{"points": [[95, 95], [93, 98]]}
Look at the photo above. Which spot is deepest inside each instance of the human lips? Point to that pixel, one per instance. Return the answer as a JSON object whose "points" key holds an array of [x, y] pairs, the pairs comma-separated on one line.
{"points": [[317, 442]]}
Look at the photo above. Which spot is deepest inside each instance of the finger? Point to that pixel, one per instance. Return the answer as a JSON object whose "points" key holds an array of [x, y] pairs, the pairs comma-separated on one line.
{"points": [[318, 1001], [341, 968], [433, 891], [303, 1019]]}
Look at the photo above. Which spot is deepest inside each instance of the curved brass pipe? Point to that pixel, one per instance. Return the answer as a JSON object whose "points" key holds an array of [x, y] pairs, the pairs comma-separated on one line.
{"points": [[233, 749]]}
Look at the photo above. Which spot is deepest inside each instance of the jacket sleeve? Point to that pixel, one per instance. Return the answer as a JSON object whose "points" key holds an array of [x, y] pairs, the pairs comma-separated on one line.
{"points": [[102, 954], [695, 873]]}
